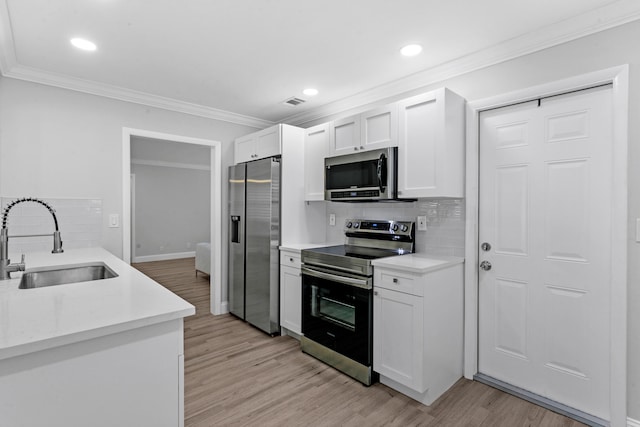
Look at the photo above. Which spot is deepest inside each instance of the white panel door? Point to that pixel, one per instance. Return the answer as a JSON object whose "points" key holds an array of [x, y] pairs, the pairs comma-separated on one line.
{"points": [[545, 209]]}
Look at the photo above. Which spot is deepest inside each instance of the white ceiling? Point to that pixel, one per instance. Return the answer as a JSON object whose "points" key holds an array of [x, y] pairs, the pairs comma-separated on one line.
{"points": [[238, 60]]}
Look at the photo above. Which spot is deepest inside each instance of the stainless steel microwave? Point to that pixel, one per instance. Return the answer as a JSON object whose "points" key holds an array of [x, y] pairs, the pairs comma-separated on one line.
{"points": [[364, 176]]}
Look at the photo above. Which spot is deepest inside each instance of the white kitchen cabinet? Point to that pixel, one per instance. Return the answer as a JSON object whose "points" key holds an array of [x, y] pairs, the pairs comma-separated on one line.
{"points": [[370, 130], [417, 328], [131, 378], [316, 148], [258, 145], [431, 145], [398, 324], [290, 293]]}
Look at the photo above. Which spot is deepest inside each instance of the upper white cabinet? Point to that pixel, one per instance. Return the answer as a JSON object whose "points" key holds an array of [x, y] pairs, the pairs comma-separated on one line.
{"points": [[316, 148], [367, 131], [431, 145], [258, 145]]}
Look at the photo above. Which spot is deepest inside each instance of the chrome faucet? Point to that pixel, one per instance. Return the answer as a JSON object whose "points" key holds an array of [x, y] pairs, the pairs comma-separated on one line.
{"points": [[6, 268]]}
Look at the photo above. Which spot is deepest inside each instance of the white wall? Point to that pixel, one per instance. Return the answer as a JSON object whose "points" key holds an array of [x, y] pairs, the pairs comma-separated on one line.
{"points": [[57, 143], [172, 210], [609, 48], [172, 197]]}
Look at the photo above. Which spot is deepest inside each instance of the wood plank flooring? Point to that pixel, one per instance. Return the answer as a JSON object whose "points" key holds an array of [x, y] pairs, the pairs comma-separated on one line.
{"points": [[235, 375]]}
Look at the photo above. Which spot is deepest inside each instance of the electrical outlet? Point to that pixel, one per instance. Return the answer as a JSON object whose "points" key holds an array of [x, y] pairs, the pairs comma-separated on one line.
{"points": [[422, 223], [332, 219]]}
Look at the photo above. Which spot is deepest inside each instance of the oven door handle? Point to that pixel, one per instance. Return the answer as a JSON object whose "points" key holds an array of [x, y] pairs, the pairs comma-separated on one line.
{"points": [[360, 283]]}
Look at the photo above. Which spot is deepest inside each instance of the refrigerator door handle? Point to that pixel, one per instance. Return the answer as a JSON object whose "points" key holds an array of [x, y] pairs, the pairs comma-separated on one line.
{"points": [[236, 221]]}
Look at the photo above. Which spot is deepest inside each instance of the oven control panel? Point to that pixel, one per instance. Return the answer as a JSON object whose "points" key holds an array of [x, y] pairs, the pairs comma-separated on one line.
{"points": [[379, 226]]}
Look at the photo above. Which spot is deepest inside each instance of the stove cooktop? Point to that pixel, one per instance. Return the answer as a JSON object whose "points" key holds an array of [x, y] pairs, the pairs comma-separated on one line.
{"points": [[360, 252]]}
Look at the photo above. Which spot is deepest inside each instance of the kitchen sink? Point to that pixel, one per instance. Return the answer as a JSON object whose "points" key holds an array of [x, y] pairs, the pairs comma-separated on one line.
{"points": [[63, 274]]}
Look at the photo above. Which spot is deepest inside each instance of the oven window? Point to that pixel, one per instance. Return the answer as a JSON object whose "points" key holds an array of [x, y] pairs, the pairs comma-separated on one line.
{"points": [[337, 312]]}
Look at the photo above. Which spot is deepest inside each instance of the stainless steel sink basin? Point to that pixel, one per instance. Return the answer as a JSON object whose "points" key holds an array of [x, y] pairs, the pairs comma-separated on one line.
{"points": [[63, 274]]}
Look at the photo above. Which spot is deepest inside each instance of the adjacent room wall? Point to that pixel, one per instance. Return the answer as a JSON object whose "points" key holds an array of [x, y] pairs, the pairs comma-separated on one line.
{"points": [[172, 198]]}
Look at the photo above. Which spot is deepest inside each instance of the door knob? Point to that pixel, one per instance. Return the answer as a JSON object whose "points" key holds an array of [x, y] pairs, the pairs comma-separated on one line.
{"points": [[485, 265]]}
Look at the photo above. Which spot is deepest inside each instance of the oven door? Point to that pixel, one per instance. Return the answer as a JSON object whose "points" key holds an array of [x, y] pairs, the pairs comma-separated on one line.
{"points": [[337, 312]]}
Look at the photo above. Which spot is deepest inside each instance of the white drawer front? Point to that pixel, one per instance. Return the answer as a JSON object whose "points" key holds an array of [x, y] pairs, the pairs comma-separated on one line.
{"points": [[395, 281], [289, 259]]}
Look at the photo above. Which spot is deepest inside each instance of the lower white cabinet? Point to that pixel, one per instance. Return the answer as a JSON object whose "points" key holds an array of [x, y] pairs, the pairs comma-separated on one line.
{"points": [[418, 330], [130, 378], [290, 293]]}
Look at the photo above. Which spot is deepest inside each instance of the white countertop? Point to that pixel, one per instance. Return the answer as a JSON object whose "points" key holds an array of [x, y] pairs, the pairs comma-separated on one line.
{"points": [[417, 263], [297, 247], [41, 318]]}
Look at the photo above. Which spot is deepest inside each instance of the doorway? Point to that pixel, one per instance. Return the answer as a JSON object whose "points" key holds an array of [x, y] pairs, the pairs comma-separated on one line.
{"points": [[215, 203], [528, 276]]}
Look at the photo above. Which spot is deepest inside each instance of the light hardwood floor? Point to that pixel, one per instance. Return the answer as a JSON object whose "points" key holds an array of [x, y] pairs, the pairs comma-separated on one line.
{"points": [[235, 375]]}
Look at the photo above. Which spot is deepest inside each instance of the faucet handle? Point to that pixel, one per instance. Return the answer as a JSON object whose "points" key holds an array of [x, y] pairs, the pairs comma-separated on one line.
{"points": [[21, 266]]}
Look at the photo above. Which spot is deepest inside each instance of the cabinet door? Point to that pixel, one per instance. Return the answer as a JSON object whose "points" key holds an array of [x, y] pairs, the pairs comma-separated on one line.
{"points": [[291, 299], [316, 148], [245, 148], [345, 136], [398, 337], [268, 142], [431, 145], [379, 128]]}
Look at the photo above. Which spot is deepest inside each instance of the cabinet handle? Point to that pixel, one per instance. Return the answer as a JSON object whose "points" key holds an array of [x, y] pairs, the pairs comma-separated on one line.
{"points": [[355, 148], [375, 293], [362, 147], [395, 280], [290, 259]]}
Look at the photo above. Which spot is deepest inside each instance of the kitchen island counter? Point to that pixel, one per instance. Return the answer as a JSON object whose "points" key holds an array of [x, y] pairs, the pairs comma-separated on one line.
{"points": [[37, 319], [101, 353]]}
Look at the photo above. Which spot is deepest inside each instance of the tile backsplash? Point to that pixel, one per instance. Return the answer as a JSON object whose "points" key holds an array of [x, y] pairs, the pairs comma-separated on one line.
{"points": [[445, 222], [79, 221]]}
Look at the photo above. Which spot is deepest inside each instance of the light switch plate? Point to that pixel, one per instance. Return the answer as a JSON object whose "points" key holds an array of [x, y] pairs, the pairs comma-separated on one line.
{"points": [[114, 220], [332, 219], [637, 229], [422, 223]]}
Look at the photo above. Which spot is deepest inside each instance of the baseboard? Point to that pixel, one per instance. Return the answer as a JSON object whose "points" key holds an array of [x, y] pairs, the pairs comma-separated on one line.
{"points": [[632, 423], [164, 257], [224, 308]]}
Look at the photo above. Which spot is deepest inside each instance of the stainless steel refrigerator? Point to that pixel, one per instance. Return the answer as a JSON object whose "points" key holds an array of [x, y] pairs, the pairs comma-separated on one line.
{"points": [[254, 237]]}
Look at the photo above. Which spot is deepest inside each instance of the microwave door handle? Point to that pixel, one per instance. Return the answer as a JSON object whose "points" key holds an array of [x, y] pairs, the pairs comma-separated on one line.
{"points": [[382, 172]]}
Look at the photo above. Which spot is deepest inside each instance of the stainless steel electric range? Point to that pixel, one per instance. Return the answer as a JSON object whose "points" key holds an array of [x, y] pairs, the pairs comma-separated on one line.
{"points": [[337, 294]]}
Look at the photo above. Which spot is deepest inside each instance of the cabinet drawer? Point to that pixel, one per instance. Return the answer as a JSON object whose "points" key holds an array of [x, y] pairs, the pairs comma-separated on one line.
{"points": [[395, 281], [290, 259]]}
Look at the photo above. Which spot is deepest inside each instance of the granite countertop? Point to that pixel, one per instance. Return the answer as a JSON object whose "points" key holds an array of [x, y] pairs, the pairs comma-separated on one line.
{"points": [[417, 263], [42, 318]]}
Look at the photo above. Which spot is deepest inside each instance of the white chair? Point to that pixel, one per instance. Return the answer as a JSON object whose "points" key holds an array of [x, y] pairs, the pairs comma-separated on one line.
{"points": [[203, 258]]}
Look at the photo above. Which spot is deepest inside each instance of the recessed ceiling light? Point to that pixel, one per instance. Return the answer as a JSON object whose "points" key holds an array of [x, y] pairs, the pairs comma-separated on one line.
{"points": [[83, 44], [411, 50], [310, 91]]}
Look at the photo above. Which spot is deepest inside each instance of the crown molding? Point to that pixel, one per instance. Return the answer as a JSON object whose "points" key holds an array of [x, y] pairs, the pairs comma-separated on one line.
{"points": [[614, 14], [7, 50], [128, 95], [606, 17], [9, 67], [163, 164]]}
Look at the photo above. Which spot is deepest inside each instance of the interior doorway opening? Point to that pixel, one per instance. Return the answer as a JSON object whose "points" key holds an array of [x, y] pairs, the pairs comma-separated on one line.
{"points": [[215, 225]]}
